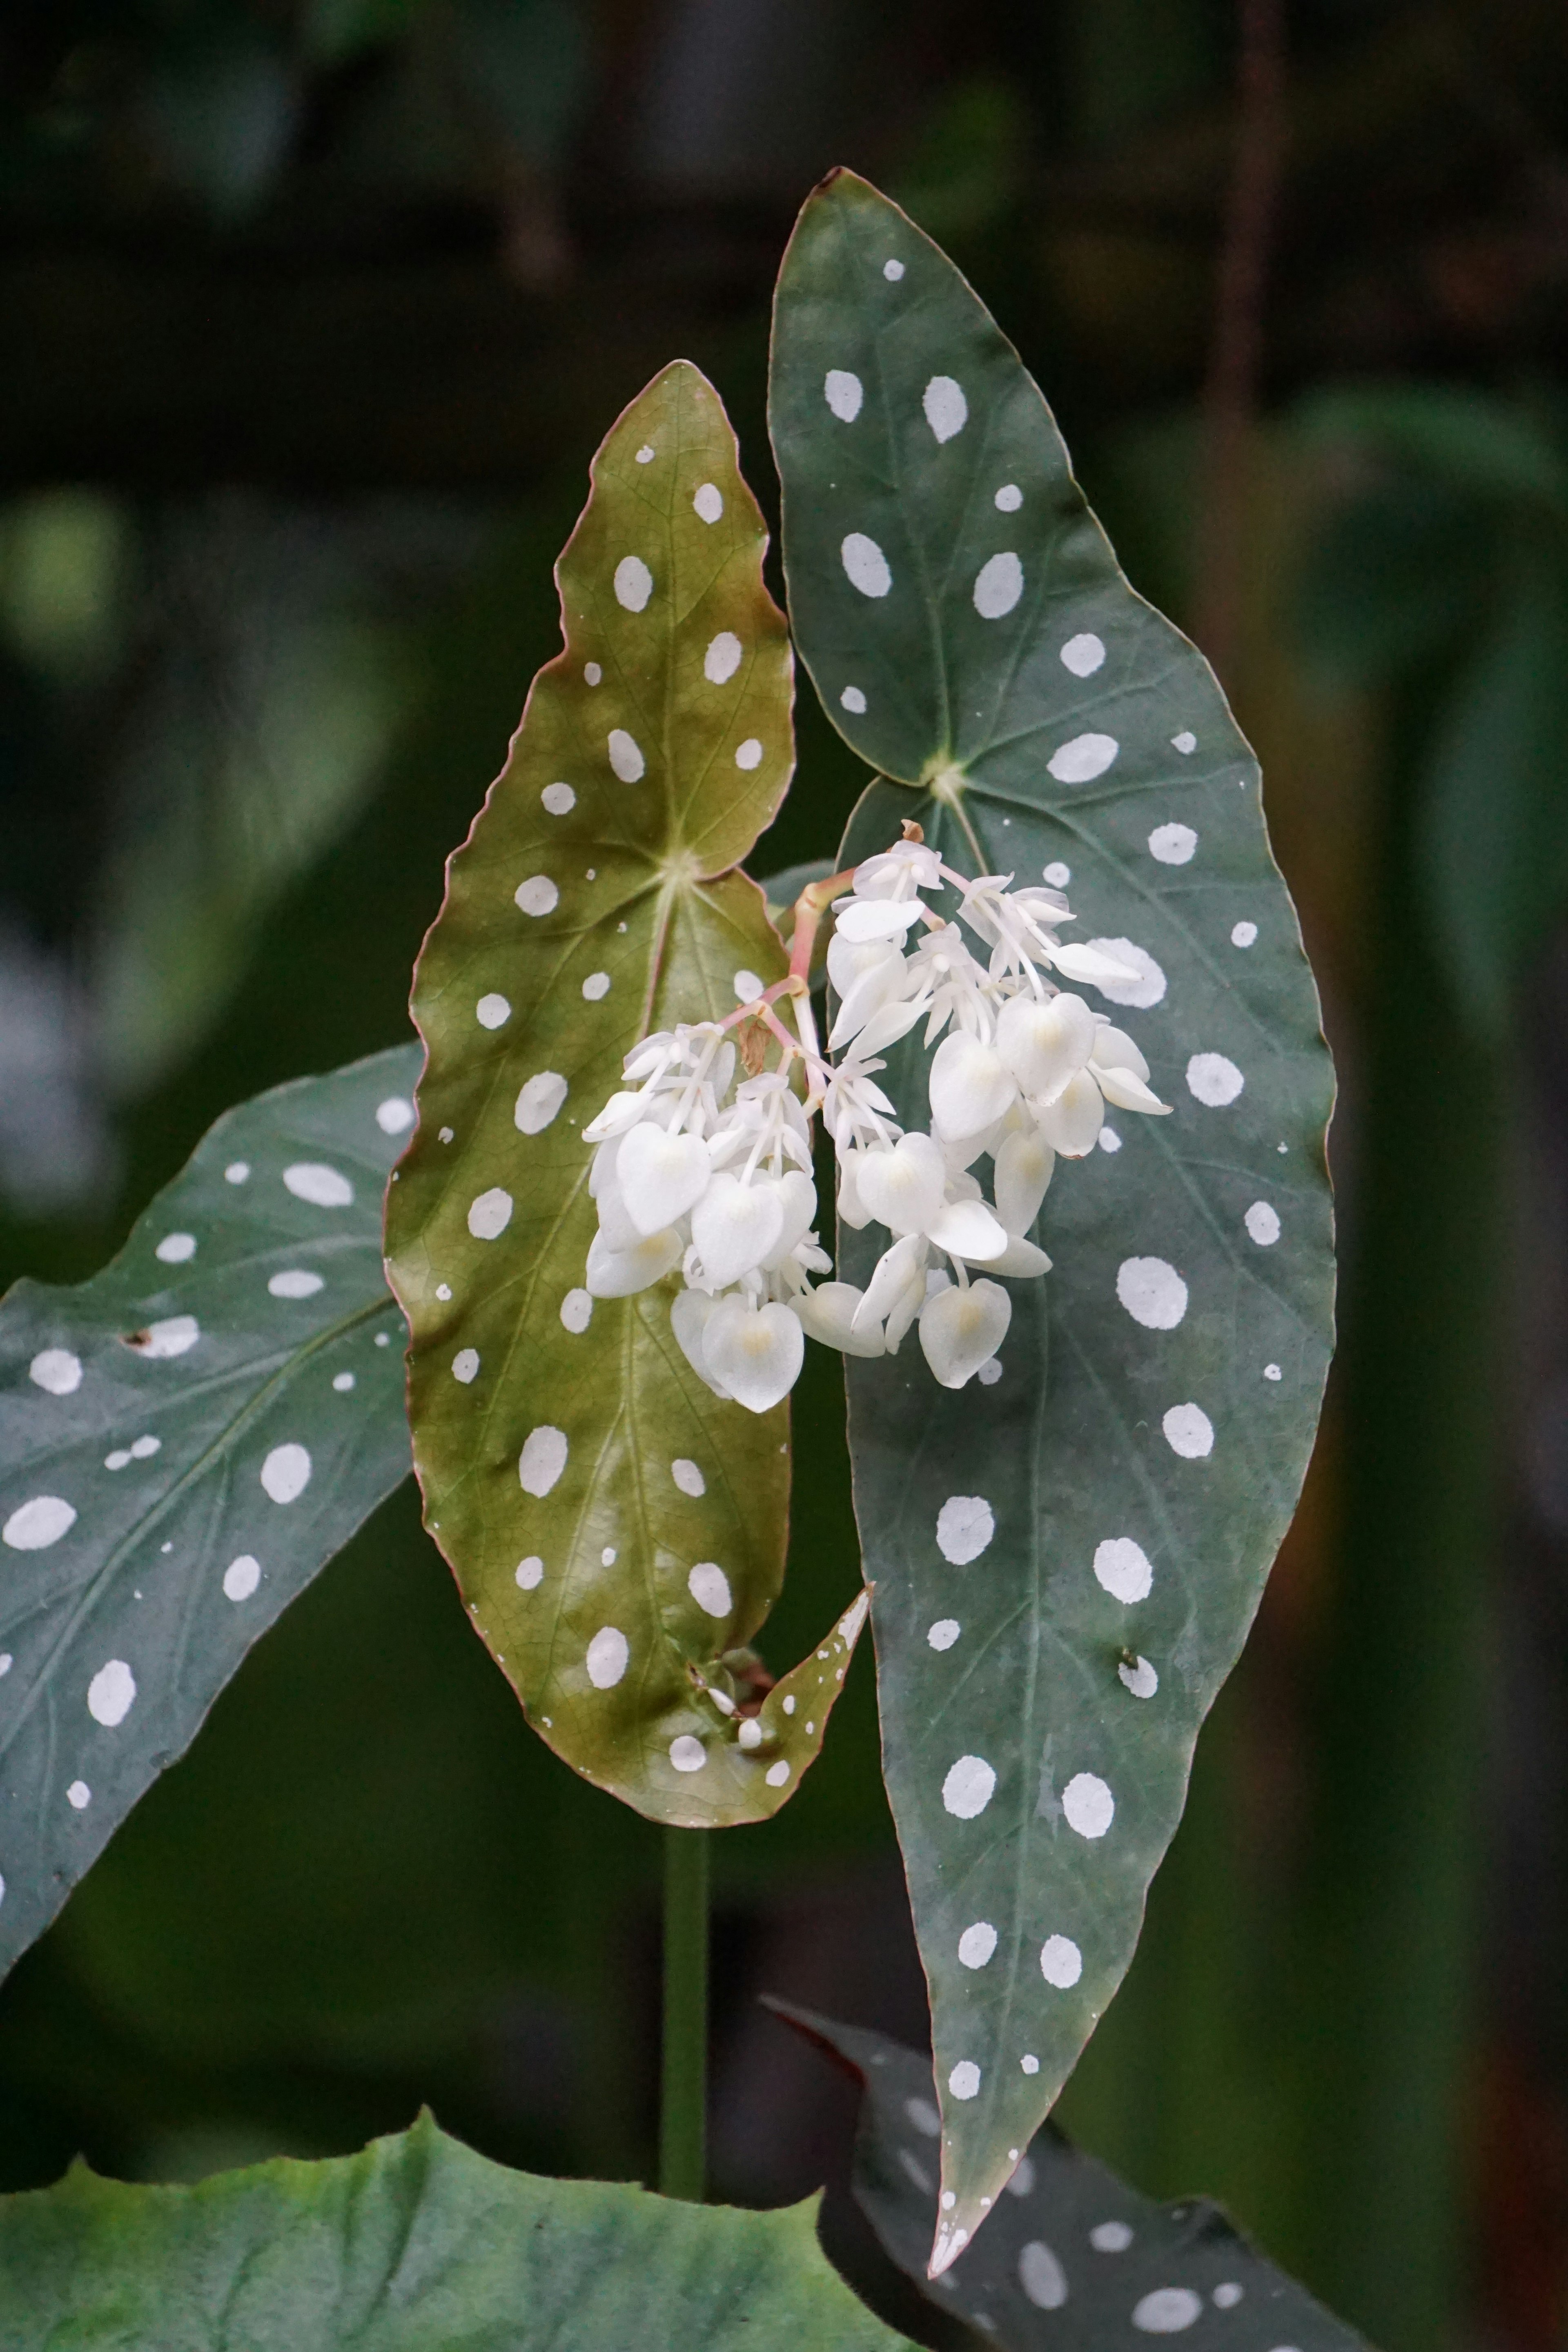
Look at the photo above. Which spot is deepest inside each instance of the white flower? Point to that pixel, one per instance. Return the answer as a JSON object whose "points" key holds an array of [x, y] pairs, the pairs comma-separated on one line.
{"points": [[962, 1328]]}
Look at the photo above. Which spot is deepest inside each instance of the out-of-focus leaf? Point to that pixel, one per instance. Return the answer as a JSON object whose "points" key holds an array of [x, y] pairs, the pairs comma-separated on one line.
{"points": [[781, 890], [415, 2244], [1064, 1562], [1483, 446], [1073, 2260], [1494, 812], [1391, 576], [577, 1472], [185, 1441]]}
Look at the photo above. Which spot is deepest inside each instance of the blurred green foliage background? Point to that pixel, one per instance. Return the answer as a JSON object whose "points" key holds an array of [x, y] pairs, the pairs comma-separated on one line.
{"points": [[311, 313]]}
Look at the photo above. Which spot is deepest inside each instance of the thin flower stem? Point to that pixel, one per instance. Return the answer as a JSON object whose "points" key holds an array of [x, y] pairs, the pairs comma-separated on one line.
{"points": [[683, 2091]]}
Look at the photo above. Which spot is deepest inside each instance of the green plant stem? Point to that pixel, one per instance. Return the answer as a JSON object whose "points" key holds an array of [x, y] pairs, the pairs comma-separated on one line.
{"points": [[683, 2103]]}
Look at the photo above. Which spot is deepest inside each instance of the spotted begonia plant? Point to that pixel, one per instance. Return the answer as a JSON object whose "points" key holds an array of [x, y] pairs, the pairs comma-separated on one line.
{"points": [[1080, 1396]]}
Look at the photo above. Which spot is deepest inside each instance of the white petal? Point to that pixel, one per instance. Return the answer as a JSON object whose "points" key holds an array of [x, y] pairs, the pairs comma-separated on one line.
{"points": [[756, 1351], [849, 961], [1114, 1050], [622, 1110], [961, 1330], [1071, 1124], [1094, 965], [875, 918], [1024, 1167], [1021, 1259], [970, 1085], [661, 1176], [827, 1313], [850, 1206], [798, 1195], [620, 1273], [1128, 1092], [734, 1226], [899, 1269], [689, 1312], [967, 1229], [903, 1188], [1044, 1045], [885, 1028]]}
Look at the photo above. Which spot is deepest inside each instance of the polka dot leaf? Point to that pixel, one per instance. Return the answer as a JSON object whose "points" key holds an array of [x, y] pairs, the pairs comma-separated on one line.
{"points": [[415, 2242], [1071, 2259], [619, 1599], [1138, 1444], [185, 1440]]}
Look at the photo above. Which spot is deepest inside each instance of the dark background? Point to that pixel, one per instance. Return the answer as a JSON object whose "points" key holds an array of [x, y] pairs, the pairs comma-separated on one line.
{"points": [[312, 314]]}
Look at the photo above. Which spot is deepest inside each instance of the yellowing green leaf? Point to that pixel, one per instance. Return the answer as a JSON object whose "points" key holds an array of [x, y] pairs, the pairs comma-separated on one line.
{"points": [[618, 1532]]}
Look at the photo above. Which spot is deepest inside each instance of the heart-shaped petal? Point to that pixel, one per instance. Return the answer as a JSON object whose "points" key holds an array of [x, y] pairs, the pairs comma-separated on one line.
{"points": [[851, 1208], [734, 1226], [829, 1312], [967, 1229], [798, 1194], [970, 1085], [756, 1352], [620, 1273], [1045, 1043], [689, 1314], [868, 993], [1115, 1050], [1071, 1124], [961, 1330], [903, 1188], [661, 1176], [1024, 1167], [899, 1269]]}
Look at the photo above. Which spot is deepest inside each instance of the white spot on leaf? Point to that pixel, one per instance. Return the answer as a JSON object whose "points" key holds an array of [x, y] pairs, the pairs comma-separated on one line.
{"points": [[634, 583], [596, 986], [853, 702], [539, 1099], [1140, 1677], [1214, 1080], [608, 1653], [393, 1117], [998, 584], [625, 756], [175, 1249], [1041, 2276], [492, 1011], [864, 565], [1189, 1431], [1262, 1222], [1089, 1805], [843, 392], [466, 1365], [944, 1633], [529, 1573], [173, 1336], [323, 1187], [946, 409], [558, 799], [964, 2080], [489, 1214], [577, 1311], [1061, 1962], [1085, 757], [1110, 2237], [688, 1477], [1122, 1568], [977, 1944], [1008, 499], [710, 1588], [110, 1694], [56, 1369], [723, 658], [1152, 1293], [286, 1473], [1184, 743], [749, 754], [708, 500], [687, 1754], [1173, 844], [1166, 2310], [79, 1796], [294, 1282], [241, 1577], [40, 1521], [968, 1787], [1083, 655], [964, 1526], [542, 1459], [1243, 935]]}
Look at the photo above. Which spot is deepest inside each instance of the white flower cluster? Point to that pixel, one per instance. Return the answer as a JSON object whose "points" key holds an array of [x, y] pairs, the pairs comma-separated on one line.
{"points": [[718, 1184]]}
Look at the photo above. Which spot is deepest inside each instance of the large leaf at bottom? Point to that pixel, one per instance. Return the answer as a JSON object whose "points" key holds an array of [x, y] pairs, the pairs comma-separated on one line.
{"points": [[415, 2245], [1065, 1563], [185, 1441], [1074, 2260], [576, 1473]]}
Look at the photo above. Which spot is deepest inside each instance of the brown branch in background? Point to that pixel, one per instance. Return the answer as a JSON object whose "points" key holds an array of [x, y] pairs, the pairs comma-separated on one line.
{"points": [[1230, 394]]}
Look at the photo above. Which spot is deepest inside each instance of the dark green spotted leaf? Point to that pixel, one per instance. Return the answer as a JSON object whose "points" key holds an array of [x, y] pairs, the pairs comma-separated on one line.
{"points": [[415, 2246], [1066, 1561], [1074, 2260], [618, 1532], [185, 1441]]}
